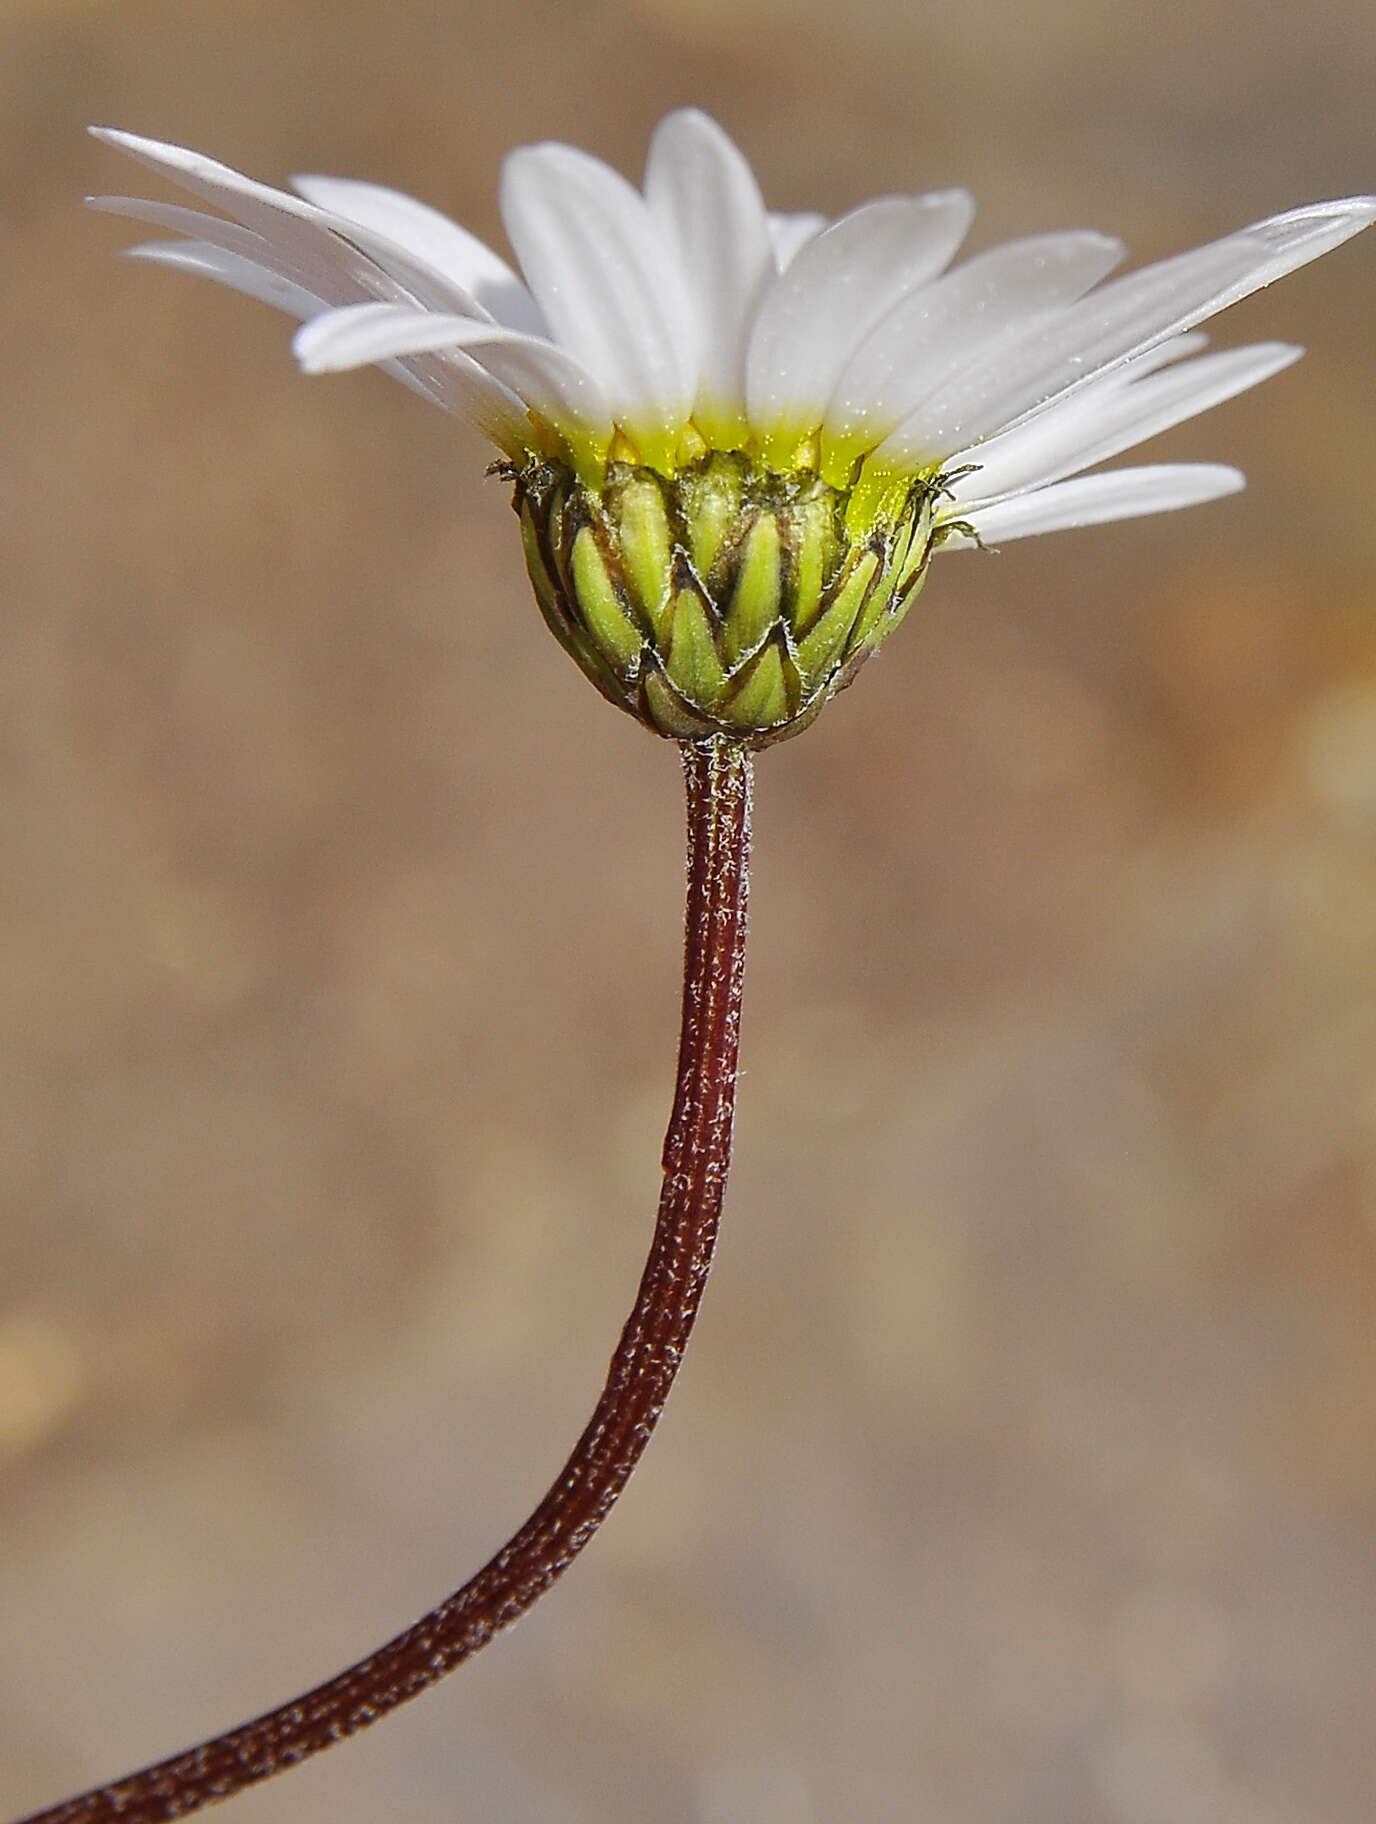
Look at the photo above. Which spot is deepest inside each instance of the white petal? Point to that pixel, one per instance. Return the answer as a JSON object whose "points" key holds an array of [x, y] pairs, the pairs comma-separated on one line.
{"points": [[938, 330], [470, 263], [295, 228], [545, 378], [1286, 242], [1094, 499], [257, 273], [419, 343], [550, 380], [835, 290], [1033, 447], [312, 264], [360, 334], [789, 234], [1121, 321], [242, 275], [704, 195], [606, 279], [1112, 416], [233, 270]]}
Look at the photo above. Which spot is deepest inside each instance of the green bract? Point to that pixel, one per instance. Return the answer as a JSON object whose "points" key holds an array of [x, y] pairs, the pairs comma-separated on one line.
{"points": [[727, 598]]}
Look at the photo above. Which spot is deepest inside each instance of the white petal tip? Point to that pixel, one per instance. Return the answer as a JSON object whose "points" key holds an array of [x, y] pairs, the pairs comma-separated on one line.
{"points": [[1357, 208], [164, 154], [311, 357], [696, 117], [127, 142], [1321, 225]]}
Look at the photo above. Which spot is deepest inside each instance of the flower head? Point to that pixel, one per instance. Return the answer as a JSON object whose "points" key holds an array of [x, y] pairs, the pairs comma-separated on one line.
{"points": [[737, 437]]}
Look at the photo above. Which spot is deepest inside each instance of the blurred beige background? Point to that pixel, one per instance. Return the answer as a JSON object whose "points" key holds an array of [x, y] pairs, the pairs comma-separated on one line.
{"points": [[1023, 1469]]}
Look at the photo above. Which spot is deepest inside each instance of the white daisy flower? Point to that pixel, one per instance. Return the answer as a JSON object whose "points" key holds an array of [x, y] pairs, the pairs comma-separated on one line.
{"points": [[737, 437]]}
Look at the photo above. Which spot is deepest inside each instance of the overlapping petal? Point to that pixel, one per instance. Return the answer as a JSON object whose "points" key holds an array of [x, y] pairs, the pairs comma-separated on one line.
{"points": [[243, 261], [312, 262], [837, 287], [704, 195], [467, 262], [608, 282], [1116, 323], [1092, 500], [233, 270], [1114, 415], [789, 233], [542, 377], [940, 329], [294, 227], [653, 326]]}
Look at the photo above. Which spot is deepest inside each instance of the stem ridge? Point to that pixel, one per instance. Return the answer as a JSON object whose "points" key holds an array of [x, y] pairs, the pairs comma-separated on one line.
{"points": [[696, 1158]]}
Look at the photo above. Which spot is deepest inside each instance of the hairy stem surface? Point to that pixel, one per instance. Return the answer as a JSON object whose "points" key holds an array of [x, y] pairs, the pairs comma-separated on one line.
{"points": [[697, 1151]]}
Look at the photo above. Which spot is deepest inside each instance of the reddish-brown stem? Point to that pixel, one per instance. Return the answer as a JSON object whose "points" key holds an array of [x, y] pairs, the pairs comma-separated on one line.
{"points": [[697, 1151]]}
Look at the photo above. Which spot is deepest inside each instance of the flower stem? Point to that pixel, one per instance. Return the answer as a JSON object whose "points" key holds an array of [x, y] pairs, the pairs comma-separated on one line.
{"points": [[697, 1152]]}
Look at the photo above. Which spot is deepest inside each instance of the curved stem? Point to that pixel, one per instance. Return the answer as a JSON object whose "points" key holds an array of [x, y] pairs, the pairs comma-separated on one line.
{"points": [[697, 1152]]}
